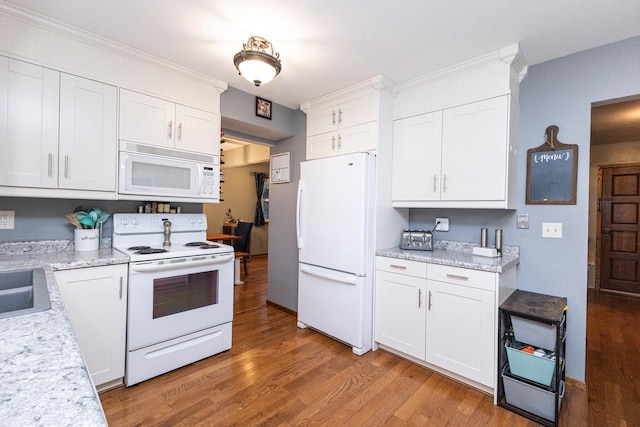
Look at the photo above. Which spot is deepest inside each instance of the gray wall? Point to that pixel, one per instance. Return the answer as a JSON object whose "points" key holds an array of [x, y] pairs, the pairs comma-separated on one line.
{"points": [[283, 249], [558, 92], [43, 219]]}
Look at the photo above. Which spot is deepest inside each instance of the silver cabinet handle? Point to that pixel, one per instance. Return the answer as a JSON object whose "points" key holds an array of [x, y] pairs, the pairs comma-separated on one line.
{"points": [[339, 142], [455, 276], [333, 142], [401, 267], [180, 132], [120, 287], [339, 115], [170, 129], [444, 183], [50, 165], [419, 298], [429, 304], [435, 183], [333, 117], [66, 166]]}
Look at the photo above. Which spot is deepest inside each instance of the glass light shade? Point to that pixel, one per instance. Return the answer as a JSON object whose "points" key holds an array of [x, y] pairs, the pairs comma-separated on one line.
{"points": [[257, 61], [257, 71]]}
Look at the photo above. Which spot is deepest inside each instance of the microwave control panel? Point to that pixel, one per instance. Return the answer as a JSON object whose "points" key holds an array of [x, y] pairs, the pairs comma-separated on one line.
{"points": [[209, 183]]}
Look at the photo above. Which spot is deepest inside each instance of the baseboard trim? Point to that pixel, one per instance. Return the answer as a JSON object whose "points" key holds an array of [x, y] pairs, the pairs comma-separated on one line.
{"points": [[283, 308], [575, 383]]}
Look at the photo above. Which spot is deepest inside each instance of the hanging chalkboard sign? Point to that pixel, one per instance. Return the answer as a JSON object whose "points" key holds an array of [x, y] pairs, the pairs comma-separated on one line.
{"points": [[552, 171]]}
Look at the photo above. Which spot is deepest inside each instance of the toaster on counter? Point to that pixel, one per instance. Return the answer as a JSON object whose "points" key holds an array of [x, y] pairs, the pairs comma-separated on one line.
{"points": [[417, 240]]}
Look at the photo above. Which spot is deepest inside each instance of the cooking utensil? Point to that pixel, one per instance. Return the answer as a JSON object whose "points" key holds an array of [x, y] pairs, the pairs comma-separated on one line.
{"points": [[71, 217]]}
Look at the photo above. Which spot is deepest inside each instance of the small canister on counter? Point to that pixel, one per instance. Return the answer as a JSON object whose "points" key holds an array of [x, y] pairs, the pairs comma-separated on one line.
{"points": [[499, 241], [483, 237]]}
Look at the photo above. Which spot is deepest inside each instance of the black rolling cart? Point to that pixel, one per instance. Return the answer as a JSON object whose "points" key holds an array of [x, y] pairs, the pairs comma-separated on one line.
{"points": [[531, 355]]}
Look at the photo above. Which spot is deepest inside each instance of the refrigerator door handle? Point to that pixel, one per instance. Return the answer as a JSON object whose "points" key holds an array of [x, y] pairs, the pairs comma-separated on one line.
{"points": [[346, 280], [299, 201]]}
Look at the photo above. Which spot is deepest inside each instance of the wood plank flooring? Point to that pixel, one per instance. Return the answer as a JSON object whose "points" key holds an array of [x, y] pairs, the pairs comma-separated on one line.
{"points": [[279, 375]]}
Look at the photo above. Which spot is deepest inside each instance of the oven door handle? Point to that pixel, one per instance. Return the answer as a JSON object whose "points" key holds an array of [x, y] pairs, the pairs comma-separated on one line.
{"points": [[174, 265]]}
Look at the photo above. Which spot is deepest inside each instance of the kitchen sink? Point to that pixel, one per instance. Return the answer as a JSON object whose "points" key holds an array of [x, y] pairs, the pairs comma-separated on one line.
{"points": [[23, 292]]}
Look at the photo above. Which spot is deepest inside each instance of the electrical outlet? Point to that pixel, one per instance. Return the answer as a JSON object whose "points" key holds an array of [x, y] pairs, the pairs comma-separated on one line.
{"points": [[552, 229], [444, 224], [523, 221], [7, 220]]}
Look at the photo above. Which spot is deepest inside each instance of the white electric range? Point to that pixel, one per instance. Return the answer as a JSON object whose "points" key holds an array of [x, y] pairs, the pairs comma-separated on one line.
{"points": [[180, 301]]}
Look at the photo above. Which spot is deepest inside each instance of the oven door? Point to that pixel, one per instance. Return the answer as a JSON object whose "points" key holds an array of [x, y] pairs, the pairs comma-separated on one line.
{"points": [[173, 297]]}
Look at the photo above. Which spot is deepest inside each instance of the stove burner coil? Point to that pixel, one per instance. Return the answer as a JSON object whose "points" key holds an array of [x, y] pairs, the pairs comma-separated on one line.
{"points": [[149, 251], [138, 248]]}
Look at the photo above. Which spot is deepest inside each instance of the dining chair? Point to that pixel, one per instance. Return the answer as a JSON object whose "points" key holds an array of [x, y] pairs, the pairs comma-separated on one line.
{"points": [[242, 246]]}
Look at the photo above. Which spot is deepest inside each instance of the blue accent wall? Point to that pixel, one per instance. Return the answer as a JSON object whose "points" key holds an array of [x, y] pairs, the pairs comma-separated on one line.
{"points": [[558, 92]]}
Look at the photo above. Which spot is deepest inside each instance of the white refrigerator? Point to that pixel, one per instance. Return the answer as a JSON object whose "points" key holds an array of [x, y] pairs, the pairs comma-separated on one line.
{"points": [[335, 233]]}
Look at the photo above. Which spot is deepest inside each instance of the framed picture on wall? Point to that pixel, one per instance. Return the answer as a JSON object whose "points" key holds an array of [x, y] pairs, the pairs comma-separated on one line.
{"points": [[263, 108]]}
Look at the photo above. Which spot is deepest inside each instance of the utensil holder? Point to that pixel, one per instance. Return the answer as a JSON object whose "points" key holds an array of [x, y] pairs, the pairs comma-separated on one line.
{"points": [[86, 239]]}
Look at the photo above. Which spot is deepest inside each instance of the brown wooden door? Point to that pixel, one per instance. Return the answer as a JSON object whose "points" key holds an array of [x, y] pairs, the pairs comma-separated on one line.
{"points": [[620, 234]]}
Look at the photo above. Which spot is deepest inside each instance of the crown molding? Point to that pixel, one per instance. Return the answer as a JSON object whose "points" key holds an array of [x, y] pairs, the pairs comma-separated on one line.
{"points": [[510, 55], [49, 24], [378, 82]]}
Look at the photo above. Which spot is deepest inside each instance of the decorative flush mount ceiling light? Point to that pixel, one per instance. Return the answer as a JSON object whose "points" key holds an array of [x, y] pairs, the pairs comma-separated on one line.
{"points": [[257, 62]]}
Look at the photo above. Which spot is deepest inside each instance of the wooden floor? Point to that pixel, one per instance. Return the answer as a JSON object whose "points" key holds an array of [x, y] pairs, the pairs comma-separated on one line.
{"points": [[279, 375]]}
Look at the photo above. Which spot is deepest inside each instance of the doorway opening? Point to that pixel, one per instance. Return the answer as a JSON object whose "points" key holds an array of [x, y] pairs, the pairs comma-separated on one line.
{"points": [[614, 201], [241, 161]]}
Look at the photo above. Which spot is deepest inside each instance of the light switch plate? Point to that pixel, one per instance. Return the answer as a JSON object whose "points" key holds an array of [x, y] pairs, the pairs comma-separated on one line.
{"points": [[444, 224], [523, 221], [552, 229], [7, 220]]}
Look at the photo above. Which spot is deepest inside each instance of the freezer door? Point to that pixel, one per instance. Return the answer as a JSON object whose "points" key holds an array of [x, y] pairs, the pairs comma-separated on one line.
{"points": [[335, 210], [333, 303]]}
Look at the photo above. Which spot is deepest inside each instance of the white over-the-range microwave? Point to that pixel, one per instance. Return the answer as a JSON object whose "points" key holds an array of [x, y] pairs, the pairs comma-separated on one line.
{"points": [[158, 173]]}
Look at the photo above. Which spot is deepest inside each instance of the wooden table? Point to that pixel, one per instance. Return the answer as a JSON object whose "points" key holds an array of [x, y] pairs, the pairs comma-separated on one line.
{"points": [[219, 237]]}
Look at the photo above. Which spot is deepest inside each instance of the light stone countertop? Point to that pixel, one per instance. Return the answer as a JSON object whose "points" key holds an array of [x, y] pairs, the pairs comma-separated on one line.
{"points": [[44, 379], [458, 254]]}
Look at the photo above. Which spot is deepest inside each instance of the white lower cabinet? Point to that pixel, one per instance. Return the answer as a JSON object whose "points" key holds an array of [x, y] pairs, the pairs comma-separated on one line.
{"points": [[400, 305], [440, 315], [96, 302], [461, 324]]}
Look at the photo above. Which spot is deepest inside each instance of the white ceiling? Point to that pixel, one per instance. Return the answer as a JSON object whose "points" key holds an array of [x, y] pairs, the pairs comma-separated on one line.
{"points": [[330, 44]]}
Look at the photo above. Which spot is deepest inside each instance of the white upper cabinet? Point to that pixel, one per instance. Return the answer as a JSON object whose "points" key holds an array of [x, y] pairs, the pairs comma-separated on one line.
{"points": [[417, 148], [57, 131], [475, 149], [459, 157], [29, 111], [88, 144], [454, 142], [362, 109], [153, 121], [346, 121]]}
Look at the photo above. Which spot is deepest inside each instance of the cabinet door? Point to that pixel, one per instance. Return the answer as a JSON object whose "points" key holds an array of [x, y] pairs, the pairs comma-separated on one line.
{"points": [[197, 130], [358, 138], [357, 111], [96, 302], [474, 150], [461, 330], [88, 141], [400, 312], [323, 145], [322, 120], [146, 119], [29, 109], [417, 145]]}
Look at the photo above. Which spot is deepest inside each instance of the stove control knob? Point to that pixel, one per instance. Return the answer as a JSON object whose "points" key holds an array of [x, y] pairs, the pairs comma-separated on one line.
{"points": [[199, 220], [192, 220], [134, 221], [124, 221]]}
